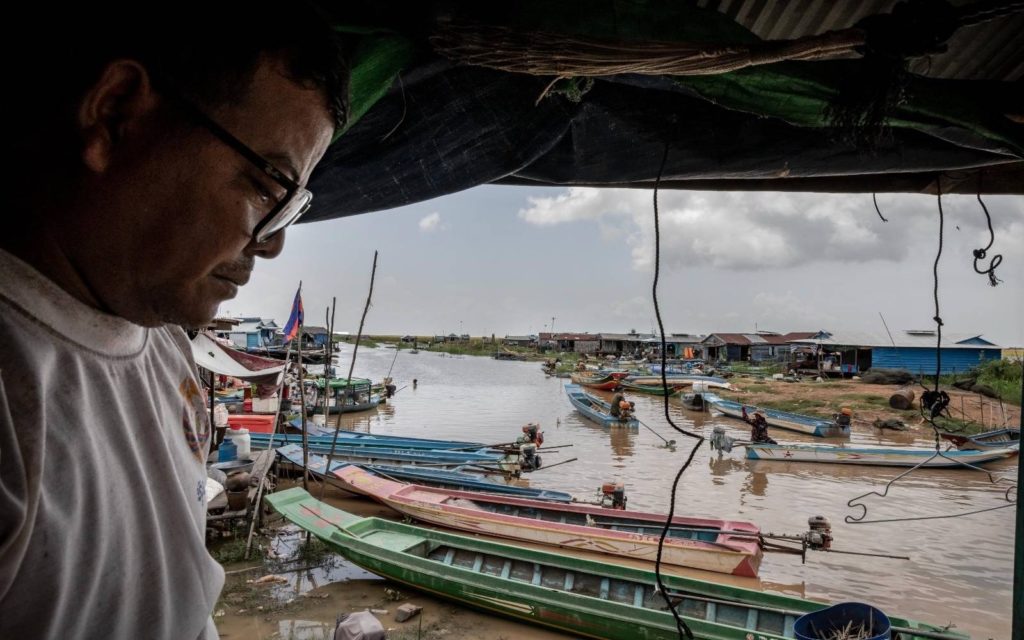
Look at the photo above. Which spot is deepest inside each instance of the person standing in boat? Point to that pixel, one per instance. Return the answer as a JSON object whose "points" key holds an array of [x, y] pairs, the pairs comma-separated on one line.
{"points": [[758, 427], [156, 157]]}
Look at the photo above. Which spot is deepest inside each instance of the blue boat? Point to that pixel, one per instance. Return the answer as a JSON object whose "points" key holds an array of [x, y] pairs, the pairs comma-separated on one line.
{"points": [[596, 409], [358, 439], [874, 456], [431, 457], [782, 419], [997, 439], [444, 478]]}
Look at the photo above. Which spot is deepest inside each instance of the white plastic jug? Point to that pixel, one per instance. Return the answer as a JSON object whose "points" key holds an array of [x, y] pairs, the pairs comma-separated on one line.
{"points": [[242, 441]]}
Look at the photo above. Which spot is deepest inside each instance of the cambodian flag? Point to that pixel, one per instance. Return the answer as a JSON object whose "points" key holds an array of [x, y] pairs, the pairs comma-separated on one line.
{"points": [[295, 319]]}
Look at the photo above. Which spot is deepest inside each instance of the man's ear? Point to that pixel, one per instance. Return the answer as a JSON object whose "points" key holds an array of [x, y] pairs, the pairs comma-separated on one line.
{"points": [[116, 102]]}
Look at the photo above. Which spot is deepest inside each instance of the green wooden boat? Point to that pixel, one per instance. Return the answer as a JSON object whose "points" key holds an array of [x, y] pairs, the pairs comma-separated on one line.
{"points": [[651, 389], [582, 597]]}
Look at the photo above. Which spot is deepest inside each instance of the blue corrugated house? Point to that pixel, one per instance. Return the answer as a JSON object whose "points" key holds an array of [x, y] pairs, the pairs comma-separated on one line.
{"points": [[915, 352], [912, 350]]}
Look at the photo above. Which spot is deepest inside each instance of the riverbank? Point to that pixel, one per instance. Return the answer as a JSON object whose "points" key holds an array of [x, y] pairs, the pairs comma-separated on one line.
{"points": [[870, 402]]}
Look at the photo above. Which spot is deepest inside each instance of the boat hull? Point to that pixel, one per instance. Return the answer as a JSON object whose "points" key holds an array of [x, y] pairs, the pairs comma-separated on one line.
{"points": [[873, 457], [997, 439], [582, 597], [722, 553], [783, 419], [595, 409]]}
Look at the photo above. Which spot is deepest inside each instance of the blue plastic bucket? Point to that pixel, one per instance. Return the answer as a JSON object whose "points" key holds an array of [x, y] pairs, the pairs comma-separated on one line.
{"points": [[827, 623]]}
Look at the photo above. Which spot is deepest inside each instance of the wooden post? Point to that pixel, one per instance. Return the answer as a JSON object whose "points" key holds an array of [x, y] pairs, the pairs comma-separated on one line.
{"points": [[351, 367], [302, 404], [213, 429], [1018, 554], [280, 391]]}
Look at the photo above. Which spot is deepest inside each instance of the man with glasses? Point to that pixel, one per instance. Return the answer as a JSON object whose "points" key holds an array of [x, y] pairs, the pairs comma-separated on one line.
{"points": [[154, 161]]}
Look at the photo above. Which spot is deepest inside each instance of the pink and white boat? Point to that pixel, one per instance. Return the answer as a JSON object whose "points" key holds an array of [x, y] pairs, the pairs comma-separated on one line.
{"points": [[722, 546]]}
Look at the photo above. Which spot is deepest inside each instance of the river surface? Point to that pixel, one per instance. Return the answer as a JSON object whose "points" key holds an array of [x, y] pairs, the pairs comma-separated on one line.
{"points": [[960, 571]]}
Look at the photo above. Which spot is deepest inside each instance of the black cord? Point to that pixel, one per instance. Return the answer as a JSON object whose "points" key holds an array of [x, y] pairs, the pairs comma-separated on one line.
{"points": [[981, 254], [935, 291], [936, 400], [877, 210], [681, 626]]}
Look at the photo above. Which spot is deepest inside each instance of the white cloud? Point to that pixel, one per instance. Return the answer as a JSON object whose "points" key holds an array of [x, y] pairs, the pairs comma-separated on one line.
{"points": [[753, 231], [431, 222]]}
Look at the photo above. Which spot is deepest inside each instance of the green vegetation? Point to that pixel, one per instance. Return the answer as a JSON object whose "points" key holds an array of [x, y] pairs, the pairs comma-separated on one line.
{"points": [[801, 405], [232, 550], [1003, 377]]}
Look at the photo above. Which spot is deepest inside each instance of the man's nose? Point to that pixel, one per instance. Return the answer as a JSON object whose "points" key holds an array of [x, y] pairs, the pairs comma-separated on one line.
{"points": [[269, 248]]}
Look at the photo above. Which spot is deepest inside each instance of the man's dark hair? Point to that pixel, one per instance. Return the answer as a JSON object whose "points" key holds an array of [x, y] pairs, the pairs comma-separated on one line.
{"points": [[209, 50]]}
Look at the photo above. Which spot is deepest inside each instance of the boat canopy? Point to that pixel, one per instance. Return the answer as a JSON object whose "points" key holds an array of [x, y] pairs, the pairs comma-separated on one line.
{"points": [[745, 95]]}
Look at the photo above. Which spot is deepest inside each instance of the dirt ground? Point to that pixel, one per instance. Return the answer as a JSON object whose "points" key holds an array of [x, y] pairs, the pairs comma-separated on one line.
{"points": [[871, 401], [294, 595]]}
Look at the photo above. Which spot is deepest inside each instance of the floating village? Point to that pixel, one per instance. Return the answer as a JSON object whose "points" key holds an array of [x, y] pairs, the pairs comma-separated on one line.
{"points": [[608, 485]]}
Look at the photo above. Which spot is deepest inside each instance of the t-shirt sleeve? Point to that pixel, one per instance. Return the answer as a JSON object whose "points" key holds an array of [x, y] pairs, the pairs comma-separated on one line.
{"points": [[14, 497]]}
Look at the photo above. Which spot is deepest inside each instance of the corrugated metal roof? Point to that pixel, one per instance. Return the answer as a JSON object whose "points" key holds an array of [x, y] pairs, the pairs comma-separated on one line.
{"points": [[992, 50], [626, 337], [899, 338], [730, 338]]}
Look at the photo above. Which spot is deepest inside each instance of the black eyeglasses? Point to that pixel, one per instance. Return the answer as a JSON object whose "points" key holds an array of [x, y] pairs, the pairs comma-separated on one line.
{"points": [[289, 207]]}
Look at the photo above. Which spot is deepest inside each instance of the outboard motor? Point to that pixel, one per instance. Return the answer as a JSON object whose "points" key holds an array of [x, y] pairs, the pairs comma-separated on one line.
{"points": [[528, 458], [819, 534], [720, 440], [613, 495], [532, 434]]}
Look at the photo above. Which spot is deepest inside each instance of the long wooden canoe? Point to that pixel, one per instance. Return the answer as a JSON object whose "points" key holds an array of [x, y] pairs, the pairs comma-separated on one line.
{"points": [[874, 456], [576, 596], [782, 419], [599, 381], [652, 389], [996, 439], [318, 435], [433, 458], [455, 479], [445, 478], [596, 409], [721, 546]]}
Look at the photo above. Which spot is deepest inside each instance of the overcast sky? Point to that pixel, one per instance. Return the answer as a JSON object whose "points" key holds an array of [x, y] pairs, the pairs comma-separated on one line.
{"points": [[506, 260]]}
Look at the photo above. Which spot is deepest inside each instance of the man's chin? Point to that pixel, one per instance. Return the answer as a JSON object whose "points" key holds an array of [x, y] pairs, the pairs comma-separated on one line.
{"points": [[190, 314]]}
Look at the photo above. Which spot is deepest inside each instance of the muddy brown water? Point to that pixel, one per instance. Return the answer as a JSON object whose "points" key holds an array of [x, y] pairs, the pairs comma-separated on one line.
{"points": [[960, 570]]}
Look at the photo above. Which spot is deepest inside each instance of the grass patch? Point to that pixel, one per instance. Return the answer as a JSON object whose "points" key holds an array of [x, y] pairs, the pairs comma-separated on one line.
{"points": [[1002, 376], [806, 407], [757, 387], [864, 398], [230, 551]]}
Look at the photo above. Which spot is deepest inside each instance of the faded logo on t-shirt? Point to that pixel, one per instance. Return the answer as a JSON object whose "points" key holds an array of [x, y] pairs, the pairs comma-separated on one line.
{"points": [[194, 421]]}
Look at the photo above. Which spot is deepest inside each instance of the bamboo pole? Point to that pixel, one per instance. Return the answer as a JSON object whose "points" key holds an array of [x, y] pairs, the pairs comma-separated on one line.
{"points": [[1018, 554], [352, 364], [280, 392], [302, 405]]}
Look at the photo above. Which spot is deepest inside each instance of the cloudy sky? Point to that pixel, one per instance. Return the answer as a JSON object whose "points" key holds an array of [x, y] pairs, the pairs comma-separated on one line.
{"points": [[507, 260]]}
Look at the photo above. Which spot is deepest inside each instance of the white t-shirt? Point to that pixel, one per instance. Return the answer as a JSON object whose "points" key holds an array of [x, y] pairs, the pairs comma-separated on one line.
{"points": [[103, 439]]}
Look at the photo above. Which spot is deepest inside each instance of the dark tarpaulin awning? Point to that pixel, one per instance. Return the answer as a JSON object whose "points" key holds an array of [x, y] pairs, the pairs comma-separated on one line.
{"points": [[425, 125]]}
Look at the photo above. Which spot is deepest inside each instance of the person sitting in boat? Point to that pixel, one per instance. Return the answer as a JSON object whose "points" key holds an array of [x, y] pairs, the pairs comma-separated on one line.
{"points": [[759, 429], [616, 409], [844, 417]]}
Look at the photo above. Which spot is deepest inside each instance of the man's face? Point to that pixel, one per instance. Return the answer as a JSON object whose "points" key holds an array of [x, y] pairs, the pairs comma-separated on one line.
{"points": [[174, 237]]}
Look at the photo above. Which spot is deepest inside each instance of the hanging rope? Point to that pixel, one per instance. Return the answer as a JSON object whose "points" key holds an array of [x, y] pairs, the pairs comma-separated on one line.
{"points": [[981, 254], [681, 626], [874, 199], [937, 402]]}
